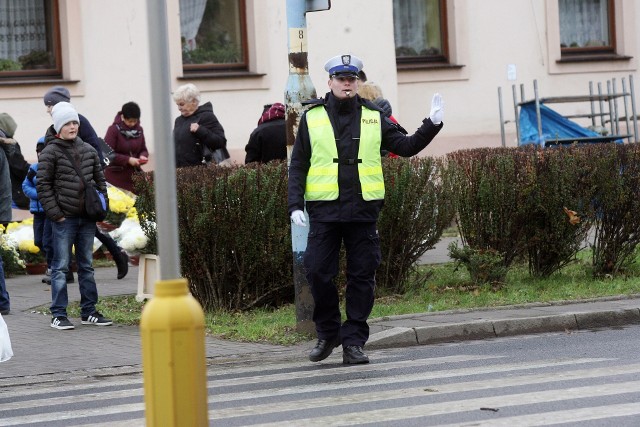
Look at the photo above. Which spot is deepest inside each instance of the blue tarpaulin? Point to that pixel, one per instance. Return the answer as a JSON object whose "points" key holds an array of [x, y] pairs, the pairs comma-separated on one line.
{"points": [[554, 126]]}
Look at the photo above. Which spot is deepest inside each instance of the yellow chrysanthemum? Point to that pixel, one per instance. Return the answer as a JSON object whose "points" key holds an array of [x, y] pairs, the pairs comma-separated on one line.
{"points": [[133, 213], [119, 201]]}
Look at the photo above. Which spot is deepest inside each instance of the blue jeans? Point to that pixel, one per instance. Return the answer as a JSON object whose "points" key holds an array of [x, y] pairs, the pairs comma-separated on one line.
{"points": [[42, 235], [78, 232], [4, 295]]}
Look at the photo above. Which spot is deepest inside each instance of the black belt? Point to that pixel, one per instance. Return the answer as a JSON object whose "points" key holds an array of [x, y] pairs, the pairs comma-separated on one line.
{"points": [[347, 161]]}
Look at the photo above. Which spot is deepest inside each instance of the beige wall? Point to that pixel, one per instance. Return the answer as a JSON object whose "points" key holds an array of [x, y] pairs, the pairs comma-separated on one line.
{"points": [[107, 66]]}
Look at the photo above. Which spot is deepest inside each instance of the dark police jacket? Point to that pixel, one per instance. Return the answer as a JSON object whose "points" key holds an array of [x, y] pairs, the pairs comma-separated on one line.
{"points": [[345, 120]]}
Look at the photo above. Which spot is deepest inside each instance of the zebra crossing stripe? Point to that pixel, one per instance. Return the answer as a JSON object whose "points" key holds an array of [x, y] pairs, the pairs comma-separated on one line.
{"points": [[70, 415], [215, 398], [333, 385], [609, 412], [441, 408], [410, 392], [335, 357], [75, 393]]}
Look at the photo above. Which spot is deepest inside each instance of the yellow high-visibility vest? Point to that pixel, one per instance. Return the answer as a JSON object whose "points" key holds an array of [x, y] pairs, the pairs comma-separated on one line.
{"points": [[322, 178]]}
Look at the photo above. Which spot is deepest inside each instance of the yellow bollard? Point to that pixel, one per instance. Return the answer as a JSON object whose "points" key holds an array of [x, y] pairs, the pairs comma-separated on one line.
{"points": [[173, 357]]}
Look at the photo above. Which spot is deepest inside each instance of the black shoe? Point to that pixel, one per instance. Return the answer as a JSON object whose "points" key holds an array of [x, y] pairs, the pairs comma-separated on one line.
{"points": [[70, 278], [96, 319], [353, 355], [5, 312], [323, 349], [61, 322], [47, 280], [122, 262]]}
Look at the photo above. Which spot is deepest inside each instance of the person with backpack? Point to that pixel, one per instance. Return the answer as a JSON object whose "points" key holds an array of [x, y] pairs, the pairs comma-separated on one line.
{"points": [[86, 132], [60, 191]]}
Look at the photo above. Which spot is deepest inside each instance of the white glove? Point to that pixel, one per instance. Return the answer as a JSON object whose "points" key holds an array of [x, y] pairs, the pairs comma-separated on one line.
{"points": [[437, 109], [297, 217]]}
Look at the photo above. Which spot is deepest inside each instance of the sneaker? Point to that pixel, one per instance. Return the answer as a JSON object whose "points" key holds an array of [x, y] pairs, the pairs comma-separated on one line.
{"points": [[70, 278], [96, 319], [61, 322]]}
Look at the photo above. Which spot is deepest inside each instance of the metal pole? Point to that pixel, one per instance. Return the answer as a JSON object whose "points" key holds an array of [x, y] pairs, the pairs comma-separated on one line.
{"points": [[632, 91], [601, 104], [299, 89], [614, 85], [626, 108], [593, 107], [538, 116], [515, 110], [172, 323], [609, 98], [501, 116]]}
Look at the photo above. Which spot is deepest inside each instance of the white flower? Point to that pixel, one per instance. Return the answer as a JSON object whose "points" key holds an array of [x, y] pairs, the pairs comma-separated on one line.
{"points": [[130, 236], [21, 232]]}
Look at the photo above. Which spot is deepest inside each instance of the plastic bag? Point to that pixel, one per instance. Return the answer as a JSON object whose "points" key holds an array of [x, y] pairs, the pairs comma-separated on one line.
{"points": [[6, 352]]}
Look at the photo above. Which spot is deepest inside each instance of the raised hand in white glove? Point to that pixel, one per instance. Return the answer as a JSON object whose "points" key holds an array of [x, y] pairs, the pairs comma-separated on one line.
{"points": [[437, 109], [297, 217]]}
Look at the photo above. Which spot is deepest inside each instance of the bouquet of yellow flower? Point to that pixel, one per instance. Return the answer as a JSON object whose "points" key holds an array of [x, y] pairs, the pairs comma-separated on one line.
{"points": [[120, 203], [30, 253], [10, 257], [21, 235]]}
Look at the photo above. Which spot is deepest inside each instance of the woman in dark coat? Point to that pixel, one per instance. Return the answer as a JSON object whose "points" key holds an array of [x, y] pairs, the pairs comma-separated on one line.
{"points": [[196, 128], [126, 138], [269, 140]]}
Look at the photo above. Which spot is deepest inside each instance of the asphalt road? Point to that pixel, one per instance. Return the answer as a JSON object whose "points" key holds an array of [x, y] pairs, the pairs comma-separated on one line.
{"points": [[587, 378]]}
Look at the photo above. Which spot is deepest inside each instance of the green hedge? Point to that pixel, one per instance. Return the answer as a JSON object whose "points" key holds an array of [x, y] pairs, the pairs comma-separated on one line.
{"points": [[510, 205], [235, 235], [417, 209], [519, 202]]}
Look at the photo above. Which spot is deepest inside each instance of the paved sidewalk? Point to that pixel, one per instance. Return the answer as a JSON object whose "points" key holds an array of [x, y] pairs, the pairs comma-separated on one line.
{"points": [[42, 353]]}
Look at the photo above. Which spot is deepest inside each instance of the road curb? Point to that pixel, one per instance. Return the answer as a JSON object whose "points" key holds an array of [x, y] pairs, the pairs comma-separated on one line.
{"points": [[477, 330]]}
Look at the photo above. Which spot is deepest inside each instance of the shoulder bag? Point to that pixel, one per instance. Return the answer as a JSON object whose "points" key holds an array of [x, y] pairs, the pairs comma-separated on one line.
{"points": [[95, 204], [108, 155]]}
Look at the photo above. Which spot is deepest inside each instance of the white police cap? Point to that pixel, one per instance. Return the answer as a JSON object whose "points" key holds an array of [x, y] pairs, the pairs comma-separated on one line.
{"points": [[344, 65]]}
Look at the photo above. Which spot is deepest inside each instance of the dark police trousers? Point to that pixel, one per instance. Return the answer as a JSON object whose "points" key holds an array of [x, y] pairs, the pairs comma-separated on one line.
{"points": [[321, 260]]}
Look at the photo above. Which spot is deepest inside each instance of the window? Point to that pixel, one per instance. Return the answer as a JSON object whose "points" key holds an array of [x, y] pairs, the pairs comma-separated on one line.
{"points": [[420, 31], [29, 38], [586, 27], [213, 35]]}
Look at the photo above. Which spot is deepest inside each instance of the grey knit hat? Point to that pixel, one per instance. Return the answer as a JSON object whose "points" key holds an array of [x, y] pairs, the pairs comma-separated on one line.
{"points": [[63, 113], [56, 94]]}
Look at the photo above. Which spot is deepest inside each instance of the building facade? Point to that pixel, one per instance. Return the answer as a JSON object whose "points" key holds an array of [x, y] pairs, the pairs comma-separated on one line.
{"points": [[236, 52]]}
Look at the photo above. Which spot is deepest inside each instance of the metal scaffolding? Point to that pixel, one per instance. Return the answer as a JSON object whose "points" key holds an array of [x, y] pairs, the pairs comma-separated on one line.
{"points": [[605, 112]]}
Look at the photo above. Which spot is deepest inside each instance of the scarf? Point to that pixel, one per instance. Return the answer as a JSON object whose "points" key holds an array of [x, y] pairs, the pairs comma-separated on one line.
{"points": [[129, 133]]}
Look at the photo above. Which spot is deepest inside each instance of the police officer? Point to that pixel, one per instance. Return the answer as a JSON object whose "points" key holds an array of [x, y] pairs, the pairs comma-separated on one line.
{"points": [[336, 169]]}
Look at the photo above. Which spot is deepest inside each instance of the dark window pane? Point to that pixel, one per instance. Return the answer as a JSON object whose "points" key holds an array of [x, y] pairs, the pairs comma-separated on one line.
{"points": [[29, 38], [213, 34]]}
